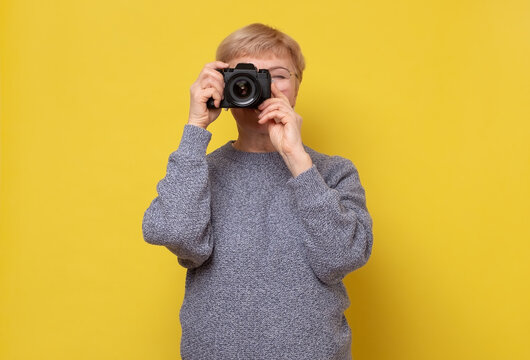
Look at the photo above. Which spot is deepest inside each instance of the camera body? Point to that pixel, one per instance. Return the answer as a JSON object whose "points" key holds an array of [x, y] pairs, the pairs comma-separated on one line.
{"points": [[245, 87]]}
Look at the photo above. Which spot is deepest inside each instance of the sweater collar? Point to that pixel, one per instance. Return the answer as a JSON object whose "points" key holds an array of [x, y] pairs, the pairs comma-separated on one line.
{"points": [[258, 158]]}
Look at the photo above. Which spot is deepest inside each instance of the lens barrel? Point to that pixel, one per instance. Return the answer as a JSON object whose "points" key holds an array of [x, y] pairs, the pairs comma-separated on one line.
{"points": [[243, 90]]}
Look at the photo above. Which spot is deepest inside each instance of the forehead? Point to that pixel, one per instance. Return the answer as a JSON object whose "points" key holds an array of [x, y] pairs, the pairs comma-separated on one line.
{"points": [[263, 61]]}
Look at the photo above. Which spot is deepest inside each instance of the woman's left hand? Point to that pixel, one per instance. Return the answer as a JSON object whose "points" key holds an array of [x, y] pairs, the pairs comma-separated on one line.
{"points": [[284, 126]]}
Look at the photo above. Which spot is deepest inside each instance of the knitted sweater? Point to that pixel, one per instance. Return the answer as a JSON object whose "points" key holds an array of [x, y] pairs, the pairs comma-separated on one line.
{"points": [[265, 252]]}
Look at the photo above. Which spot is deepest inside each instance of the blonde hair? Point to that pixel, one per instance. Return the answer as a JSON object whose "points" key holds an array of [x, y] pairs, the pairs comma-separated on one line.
{"points": [[259, 39]]}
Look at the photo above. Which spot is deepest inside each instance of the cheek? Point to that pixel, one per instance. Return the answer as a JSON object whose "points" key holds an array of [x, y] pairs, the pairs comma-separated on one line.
{"points": [[287, 90]]}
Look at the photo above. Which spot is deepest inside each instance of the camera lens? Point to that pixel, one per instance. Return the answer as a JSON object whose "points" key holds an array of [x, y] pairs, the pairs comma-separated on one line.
{"points": [[242, 89]]}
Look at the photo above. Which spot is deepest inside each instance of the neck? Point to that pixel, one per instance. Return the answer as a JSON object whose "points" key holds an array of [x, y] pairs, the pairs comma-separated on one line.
{"points": [[253, 142]]}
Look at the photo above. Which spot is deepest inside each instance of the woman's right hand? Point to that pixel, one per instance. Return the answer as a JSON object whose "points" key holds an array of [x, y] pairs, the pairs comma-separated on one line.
{"points": [[209, 84]]}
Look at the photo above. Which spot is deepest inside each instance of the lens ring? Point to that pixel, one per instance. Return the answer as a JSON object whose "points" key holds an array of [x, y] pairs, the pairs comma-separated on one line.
{"points": [[243, 90]]}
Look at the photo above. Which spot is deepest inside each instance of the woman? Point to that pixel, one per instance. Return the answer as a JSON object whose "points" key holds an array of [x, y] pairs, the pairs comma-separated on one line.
{"points": [[266, 226]]}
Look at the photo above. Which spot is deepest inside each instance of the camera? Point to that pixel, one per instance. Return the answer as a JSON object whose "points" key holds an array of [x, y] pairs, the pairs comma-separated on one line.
{"points": [[245, 87]]}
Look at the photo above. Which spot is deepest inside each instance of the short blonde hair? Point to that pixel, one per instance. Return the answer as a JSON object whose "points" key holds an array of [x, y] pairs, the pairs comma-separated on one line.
{"points": [[259, 39]]}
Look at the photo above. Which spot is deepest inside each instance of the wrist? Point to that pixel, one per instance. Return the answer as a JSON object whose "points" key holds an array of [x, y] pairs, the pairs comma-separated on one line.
{"points": [[298, 162], [198, 124]]}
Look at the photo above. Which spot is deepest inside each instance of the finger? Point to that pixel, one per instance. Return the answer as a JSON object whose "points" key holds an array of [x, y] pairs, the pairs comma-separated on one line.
{"points": [[210, 73], [270, 101], [205, 94], [207, 73], [212, 83], [274, 106], [276, 115], [216, 65], [277, 93], [212, 78]]}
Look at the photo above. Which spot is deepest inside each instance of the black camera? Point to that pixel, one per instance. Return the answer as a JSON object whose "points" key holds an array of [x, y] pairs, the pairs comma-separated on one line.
{"points": [[245, 87]]}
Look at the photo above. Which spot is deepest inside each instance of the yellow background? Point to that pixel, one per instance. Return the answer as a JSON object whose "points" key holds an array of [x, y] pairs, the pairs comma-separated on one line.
{"points": [[429, 99]]}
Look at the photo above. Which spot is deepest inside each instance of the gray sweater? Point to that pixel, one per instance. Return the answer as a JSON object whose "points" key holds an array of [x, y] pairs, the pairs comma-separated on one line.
{"points": [[265, 252]]}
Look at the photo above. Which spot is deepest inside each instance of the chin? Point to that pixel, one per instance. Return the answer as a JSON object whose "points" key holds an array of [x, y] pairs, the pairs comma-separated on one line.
{"points": [[248, 119], [245, 114]]}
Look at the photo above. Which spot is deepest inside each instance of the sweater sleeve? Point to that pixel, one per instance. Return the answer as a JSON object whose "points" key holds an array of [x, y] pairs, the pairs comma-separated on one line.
{"points": [[179, 217], [337, 219]]}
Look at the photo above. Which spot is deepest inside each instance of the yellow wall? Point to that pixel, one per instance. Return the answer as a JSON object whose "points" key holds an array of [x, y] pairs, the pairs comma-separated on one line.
{"points": [[430, 100]]}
